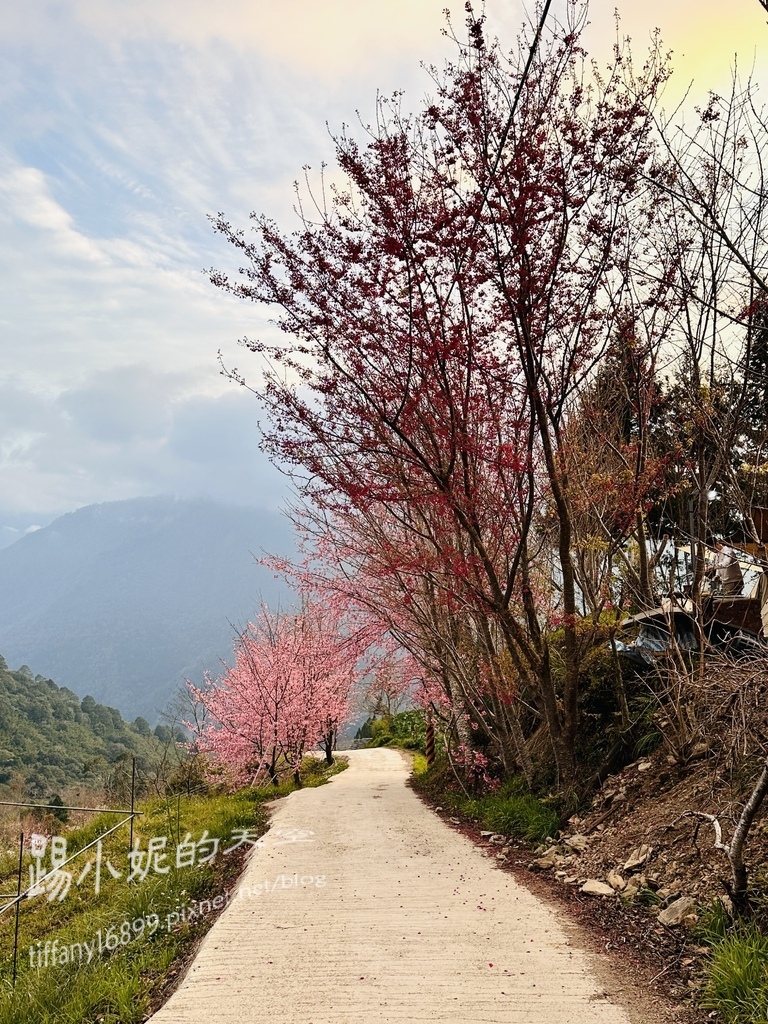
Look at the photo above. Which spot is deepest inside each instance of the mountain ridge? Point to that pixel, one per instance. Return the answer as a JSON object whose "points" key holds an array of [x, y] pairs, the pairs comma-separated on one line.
{"points": [[123, 600]]}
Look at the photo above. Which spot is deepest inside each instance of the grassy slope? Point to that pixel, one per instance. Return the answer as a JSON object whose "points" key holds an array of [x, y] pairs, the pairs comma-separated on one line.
{"points": [[144, 918]]}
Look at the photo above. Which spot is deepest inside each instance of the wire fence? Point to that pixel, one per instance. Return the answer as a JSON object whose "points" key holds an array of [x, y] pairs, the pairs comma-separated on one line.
{"points": [[16, 899]]}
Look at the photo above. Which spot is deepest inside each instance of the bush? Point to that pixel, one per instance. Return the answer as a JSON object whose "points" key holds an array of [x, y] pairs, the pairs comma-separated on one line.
{"points": [[406, 729]]}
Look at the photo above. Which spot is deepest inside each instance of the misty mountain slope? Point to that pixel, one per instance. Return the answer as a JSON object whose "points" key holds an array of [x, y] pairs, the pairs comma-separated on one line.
{"points": [[122, 600]]}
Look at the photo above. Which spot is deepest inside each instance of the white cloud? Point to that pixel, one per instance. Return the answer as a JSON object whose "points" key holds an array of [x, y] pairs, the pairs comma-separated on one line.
{"points": [[124, 123], [129, 432], [330, 39], [25, 197]]}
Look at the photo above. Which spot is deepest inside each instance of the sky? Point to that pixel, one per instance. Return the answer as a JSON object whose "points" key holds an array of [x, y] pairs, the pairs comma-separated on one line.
{"points": [[123, 125]]}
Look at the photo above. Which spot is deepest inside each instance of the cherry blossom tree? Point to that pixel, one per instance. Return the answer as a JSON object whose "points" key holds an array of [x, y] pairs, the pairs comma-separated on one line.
{"points": [[440, 314], [289, 688]]}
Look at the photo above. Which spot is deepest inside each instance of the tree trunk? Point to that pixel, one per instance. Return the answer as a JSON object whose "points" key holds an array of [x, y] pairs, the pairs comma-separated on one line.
{"points": [[329, 741], [646, 589], [736, 852]]}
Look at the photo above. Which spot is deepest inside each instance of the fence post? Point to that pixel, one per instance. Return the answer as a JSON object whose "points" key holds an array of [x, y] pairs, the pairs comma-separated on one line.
{"points": [[133, 797], [18, 908]]}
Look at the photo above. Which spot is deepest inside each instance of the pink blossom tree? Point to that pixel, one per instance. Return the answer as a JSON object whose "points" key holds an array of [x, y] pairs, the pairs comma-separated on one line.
{"points": [[289, 688]]}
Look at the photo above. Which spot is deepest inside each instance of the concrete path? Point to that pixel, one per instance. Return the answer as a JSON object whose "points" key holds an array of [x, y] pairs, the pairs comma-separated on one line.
{"points": [[363, 907]]}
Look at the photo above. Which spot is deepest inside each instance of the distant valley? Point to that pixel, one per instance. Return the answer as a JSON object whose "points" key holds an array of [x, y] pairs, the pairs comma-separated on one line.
{"points": [[121, 601]]}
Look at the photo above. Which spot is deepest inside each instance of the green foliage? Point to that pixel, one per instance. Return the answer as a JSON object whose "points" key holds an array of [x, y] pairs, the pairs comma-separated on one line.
{"points": [[737, 986], [365, 731], [647, 743], [59, 813], [713, 924], [49, 739], [381, 731], [511, 809], [406, 729], [409, 730], [648, 898]]}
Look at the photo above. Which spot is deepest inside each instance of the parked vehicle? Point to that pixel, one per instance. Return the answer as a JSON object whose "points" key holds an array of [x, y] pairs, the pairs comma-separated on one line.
{"points": [[731, 626]]}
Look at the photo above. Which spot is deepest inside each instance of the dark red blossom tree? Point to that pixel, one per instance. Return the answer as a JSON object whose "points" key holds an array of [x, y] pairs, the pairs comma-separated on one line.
{"points": [[440, 314]]}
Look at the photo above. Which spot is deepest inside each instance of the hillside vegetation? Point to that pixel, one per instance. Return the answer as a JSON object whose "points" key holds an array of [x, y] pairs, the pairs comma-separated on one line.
{"points": [[122, 947], [50, 739]]}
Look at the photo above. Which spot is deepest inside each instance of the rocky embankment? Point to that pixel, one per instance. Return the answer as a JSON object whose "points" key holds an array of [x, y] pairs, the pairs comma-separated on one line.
{"points": [[640, 869]]}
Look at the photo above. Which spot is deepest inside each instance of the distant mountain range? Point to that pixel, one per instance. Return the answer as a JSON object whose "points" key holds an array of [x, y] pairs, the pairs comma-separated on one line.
{"points": [[124, 600]]}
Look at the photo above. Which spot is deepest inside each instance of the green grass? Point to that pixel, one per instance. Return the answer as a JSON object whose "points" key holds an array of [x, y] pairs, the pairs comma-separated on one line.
{"points": [[714, 922], [737, 986], [512, 809], [147, 921]]}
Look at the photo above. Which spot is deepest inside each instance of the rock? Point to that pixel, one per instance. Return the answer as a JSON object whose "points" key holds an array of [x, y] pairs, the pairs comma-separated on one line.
{"points": [[545, 863], [577, 842], [456, 821], [614, 879], [668, 893], [438, 809], [484, 835], [501, 858], [594, 888], [700, 750], [632, 888], [644, 766], [497, 839], [677, 912], [638, 857], [642, 882]]}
